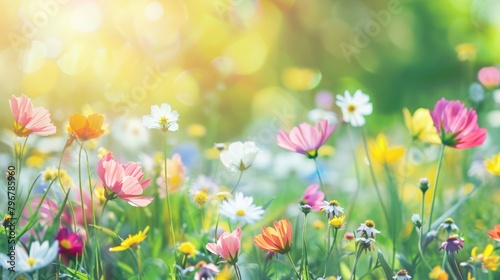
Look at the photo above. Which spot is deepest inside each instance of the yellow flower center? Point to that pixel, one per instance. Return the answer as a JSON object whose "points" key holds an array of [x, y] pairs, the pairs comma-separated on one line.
{"points": [[240, 213], [163, 120], [20, 130], [65, 244], [351, 108], [370, 223], [200, 198], [449, 221], [31, 261], [334, 203]]}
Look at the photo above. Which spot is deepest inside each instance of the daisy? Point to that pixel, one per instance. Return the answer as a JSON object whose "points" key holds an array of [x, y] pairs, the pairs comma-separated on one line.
{"points": [[367, 229], [332, 209], [402, 275], [448, 225], [354, 107], [40, 256], [241, 209], [162, 117], [239, 156], [205, 184]]}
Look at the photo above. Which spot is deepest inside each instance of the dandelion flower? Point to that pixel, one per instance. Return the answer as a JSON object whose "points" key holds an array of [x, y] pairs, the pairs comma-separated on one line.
{"points": [[131, 241], [337, 222], [241, 209], [354, 107], [162, 117], [188, 249]]}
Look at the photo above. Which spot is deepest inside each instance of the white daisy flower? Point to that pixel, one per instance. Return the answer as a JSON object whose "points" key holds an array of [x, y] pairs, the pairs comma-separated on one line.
{"points": [[402, 275], [162, 118], [367, 229], [205, 184], [39, 256], [239, 156], [415, 219], [448, 225], [355, 107], [332, 209], [241, 209]]}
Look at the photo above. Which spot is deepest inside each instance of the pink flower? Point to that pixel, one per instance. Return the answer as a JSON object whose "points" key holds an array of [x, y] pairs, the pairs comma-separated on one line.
{"points": [[457, 127], [29, 120], [228, 246], [123, 180], [313, 197], [489, 76], [70, 243], [305, 138]]}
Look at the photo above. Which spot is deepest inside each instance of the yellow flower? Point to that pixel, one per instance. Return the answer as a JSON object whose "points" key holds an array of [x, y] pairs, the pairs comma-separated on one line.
{"points": [[326, 151], [225, 274], [469, 276], [421, 125], [188, 249], [131, 241], [487, 259], [438, 273], [493, 164], [318, 224], [337, 222], [196, 130], [100, 194], [466, 51], [222, 196], [381, 153], [200, 198]]}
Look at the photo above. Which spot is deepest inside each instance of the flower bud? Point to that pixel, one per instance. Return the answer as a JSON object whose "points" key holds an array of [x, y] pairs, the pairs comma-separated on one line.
{"points": [[424, 185]]}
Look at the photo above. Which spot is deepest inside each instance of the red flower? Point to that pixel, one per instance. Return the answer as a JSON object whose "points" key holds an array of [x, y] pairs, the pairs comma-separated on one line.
{"points": [[70, 243]]}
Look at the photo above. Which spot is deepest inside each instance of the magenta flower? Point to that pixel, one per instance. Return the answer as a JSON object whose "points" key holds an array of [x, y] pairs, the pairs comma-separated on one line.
{"points": [[305, 138], [453, 244], [123, 180], [29, 120], [489, 76], [313, 197], [70, 243], [457, 127], [227, 246]]}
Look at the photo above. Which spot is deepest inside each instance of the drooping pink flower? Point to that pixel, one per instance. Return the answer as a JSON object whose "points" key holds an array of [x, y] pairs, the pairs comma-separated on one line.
{"points": [[456, 125], [123, 180], [305, 138], [313, 197], [29, 120], [227, 246], [489, 76]]}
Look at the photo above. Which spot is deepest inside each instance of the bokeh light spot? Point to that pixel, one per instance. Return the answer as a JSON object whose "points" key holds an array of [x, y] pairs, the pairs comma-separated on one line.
{"points": [[248, 53], [41, 81], [296, 78], [33, 57], [86, 17], [153, 11], [74, 60]]}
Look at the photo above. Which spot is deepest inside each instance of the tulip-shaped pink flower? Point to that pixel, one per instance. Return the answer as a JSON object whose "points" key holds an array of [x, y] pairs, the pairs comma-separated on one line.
{"points": [[456, 126], [123, 180], [228, 246], [29, 120], [305, 138], [313, 197], [489, 76]]}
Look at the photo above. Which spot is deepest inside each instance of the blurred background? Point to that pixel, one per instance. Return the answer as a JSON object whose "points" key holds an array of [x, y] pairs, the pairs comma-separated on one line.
{"points": [[223, 63]]}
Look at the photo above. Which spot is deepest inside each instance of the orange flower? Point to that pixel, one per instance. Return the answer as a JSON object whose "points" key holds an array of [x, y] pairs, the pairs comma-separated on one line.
{"points": [[277, 239], [175, 175], [86, 128], [495, 233]]}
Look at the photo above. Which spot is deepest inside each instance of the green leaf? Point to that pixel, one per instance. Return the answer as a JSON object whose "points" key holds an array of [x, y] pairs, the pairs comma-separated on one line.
{"points": [[125, 267], [385, 266], [154, 268]]}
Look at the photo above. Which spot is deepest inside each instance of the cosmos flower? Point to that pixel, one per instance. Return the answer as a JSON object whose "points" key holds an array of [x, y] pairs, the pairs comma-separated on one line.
{"points": [[40, 256], [239, 156], [29, 120], [305, 138], [354, 107], [123, 180], [227, 246], [162, 117], [489, 77], [380, 151], [277, 239], [456, 125], [313, 197], [85, 128], [495, 233], [241, 209], [131, 241], [453, 244], [70, 243]]}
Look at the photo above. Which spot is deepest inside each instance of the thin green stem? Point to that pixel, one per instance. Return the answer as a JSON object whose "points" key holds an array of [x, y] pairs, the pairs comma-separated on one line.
{"points": [[327, 248], [237, 182], [237, 271], [441, 155], [293, 264], [319, 177], [168, 193], [216, 226], [374, 178], [81, 187], [353, 274], [330, 249]]}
